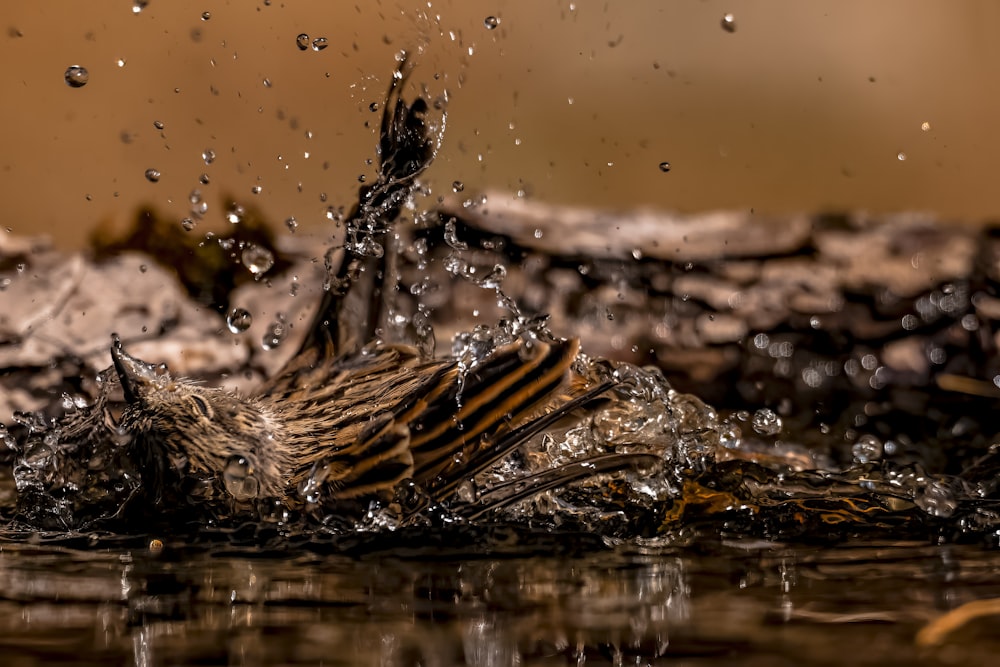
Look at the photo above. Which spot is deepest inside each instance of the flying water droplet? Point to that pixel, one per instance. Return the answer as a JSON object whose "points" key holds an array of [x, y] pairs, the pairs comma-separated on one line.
{"points": [[139, 5], [451, 236], [208, 155], [664, 167], [257, 259], [76, 76], [728, 23], [188, 224], [866, 449], [292, 224], [766, 422], [457, 186], [206, 16], [302, 41], [239, 320], [235, 213], [275, 334], [158, 124], [153, 175], [491, 22], [320, 43]]}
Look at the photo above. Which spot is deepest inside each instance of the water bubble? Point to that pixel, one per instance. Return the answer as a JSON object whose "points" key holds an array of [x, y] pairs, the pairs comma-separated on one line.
{"points": [[766, 422], [664, 167], [153, 175], [728, 23], [258, 259], [239, 320], [867, 448], [76, 76], [320, 43], [239, 479], [292, 224], [491, 22], [275, 334], [302, 41], [208, 155]]}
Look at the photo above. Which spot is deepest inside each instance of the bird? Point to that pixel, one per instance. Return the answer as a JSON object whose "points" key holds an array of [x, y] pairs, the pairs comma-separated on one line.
{"points": [[350, 416]]}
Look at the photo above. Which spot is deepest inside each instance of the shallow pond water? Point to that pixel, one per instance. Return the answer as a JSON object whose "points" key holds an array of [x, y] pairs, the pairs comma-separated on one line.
{"points": [[114, 601]]}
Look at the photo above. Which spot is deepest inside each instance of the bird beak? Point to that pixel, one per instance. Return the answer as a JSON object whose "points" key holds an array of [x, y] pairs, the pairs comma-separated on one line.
{"points": [[135, 375]]}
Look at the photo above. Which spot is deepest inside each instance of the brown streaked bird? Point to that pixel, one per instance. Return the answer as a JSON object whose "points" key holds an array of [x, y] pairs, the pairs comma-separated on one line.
{"points": [[347, 417], [354, 425]]}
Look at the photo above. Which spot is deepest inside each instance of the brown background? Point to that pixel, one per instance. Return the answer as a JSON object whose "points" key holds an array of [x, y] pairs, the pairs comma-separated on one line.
{"points": [[805, 106]]}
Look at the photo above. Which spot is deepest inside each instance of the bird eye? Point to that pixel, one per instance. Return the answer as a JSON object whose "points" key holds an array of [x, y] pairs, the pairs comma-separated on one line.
{"points": [[202, 406]]}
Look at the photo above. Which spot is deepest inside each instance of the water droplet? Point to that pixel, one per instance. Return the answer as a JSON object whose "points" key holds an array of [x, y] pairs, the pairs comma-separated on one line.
{"points": [[120, 62], [373, 107], [457, 186], [451, 236], [76, 76], [309, 488], [188, 224], [235, 213], [538, 233], [208, 155], [766, 422], [153, 175], [256, 190], [139, 5], [936, 499], [258, 259], [867, 448], [276, 332], [239, 478], [664, 167], [158, 124], [728, 23], [267, 83], [491, 22], [292, 224], [320, 43], [203, 179], [925, 126], [901, 156], [239, 320], [206, 15], [302, 41]]}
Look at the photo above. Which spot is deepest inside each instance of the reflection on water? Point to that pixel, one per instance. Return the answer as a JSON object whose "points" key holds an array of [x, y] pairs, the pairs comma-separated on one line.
{"points": [[709, 604]]}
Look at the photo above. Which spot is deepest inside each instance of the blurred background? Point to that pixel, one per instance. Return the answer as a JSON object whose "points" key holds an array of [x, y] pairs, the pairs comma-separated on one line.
{"points": [[775, 107]]}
